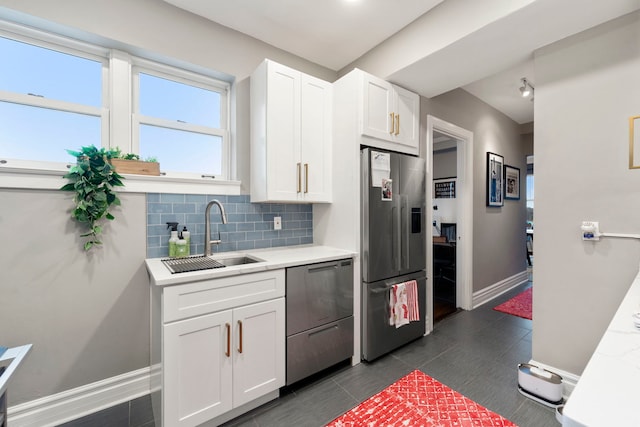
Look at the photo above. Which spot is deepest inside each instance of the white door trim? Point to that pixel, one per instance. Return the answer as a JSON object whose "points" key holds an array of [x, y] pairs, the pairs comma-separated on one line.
{"points": [[464, 194]]}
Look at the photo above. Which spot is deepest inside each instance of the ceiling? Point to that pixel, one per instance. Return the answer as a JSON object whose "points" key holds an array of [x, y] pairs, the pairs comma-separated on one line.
{"points": [[502, 91], [485, 62], [321, 31]]}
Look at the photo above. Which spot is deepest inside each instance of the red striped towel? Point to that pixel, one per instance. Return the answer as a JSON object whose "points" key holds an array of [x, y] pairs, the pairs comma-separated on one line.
{"points": [[412, 300], [403, 302]]}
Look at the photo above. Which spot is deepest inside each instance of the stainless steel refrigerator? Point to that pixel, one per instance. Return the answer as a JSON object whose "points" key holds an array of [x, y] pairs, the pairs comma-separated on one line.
{"points": [[393, 245]]}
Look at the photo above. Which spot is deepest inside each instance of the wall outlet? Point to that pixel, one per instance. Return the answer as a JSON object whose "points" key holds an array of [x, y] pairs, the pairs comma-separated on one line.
{"points": [[277, 223], [590, 230]]}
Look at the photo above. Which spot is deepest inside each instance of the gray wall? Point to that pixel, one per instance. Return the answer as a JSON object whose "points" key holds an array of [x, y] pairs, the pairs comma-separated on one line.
{"points": [[88, 315], [444, 163], [526, 138], [498, 233], [585, 93]]}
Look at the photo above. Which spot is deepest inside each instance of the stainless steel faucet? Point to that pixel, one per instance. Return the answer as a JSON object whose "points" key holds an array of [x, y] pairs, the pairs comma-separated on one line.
{"points": [[207, 226]]}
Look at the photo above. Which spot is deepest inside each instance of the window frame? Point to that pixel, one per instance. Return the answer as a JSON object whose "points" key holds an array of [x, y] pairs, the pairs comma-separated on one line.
{"points": [[140, 65], [67, 46]]}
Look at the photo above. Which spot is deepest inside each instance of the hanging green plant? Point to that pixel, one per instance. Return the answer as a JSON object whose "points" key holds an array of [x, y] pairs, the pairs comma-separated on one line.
{"points": [[92, 179]]}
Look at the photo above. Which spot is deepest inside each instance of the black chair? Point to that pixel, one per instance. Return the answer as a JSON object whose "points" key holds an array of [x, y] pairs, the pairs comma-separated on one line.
{"points": [[444, 263], [529, 248]]}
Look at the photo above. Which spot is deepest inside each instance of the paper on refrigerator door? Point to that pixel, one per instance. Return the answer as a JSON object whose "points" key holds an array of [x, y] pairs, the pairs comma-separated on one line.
{"points": [[380, 168]]}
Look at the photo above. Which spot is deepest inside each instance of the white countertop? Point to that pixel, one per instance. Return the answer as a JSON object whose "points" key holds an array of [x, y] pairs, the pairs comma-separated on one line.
{"points": [[607, 392], [273, 258]]}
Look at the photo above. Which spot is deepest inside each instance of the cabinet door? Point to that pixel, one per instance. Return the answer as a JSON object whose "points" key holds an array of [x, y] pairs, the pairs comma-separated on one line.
{"points": [[408, 110], [197, 371], [259, 350], [377, 108], [284, 169], [315, 119]]}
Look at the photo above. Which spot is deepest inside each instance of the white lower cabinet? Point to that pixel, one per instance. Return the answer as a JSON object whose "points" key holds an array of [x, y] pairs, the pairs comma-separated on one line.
{"points": [[214, 365], [198, 376], [258, 359]]}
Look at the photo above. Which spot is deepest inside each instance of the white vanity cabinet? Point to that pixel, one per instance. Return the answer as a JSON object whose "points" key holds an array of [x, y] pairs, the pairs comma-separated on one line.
{"points": [[389, 114], [219, 346], [290, 136]]}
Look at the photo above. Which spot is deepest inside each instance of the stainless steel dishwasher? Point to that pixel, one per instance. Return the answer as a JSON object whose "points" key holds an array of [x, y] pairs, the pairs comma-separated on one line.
{"points": [[319, 317]]}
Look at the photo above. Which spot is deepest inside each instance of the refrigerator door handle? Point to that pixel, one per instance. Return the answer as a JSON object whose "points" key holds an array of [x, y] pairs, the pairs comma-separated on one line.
{"points": [[404, 231], [382, 290], [395, 256]]}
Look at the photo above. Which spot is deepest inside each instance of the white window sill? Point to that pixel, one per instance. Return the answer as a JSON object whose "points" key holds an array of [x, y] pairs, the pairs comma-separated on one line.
{"points": [[51, 179]]}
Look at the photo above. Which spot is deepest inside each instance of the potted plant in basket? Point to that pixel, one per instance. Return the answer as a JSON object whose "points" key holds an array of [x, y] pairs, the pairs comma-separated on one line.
{"points": [[132, 163]]}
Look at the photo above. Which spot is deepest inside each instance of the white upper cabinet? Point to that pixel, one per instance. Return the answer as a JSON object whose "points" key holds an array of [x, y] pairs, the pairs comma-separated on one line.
{"points": [[377, 108], [390, 114], [290, 136]]}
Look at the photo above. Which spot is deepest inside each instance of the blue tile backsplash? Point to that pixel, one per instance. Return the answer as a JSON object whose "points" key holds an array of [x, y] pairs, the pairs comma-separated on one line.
{"points": [[249, 226]]}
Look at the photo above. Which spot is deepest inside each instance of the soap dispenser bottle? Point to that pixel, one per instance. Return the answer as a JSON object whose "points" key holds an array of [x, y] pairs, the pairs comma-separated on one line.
{"points": [[173, 240], [186, 235], [181, 247]]}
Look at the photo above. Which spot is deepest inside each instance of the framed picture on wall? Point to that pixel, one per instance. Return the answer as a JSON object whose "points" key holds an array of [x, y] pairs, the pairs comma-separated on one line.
{"points": [[444, 189], [495, 179], [511, 183]]}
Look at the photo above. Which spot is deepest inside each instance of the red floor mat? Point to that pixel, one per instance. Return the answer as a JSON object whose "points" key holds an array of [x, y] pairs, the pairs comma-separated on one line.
{"points": [[520, 305], [417, 400]]}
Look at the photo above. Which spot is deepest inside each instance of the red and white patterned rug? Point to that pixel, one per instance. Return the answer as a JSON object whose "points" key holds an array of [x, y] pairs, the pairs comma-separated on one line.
{"points": [[417, 400], [520, 305]]}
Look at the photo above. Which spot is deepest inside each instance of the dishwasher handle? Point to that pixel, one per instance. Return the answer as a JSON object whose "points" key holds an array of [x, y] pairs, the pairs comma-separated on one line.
{"points": [[322, 267]]}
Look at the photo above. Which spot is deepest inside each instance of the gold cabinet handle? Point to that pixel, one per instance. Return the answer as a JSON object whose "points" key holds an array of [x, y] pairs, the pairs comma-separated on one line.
{"points": [[299, 179], [397, 124], [240, 336], [228, 352], [393, 123], [306, 177]]}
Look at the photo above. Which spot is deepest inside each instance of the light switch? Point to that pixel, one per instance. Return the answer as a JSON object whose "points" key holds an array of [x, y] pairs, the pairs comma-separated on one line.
{"points": [[277, 223]]}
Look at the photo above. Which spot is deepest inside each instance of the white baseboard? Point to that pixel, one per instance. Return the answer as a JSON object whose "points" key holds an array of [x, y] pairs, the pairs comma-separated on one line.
{"points": [[75, 403], [490, 292], [569, 380]]}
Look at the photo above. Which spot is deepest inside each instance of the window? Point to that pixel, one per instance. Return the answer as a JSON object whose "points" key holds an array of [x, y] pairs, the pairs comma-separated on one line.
{"points": [[58, 93], [50, 100], [180, 119]]}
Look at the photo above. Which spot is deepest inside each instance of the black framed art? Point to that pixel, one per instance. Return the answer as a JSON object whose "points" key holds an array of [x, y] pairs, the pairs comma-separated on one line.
{"points": [[495, 179], [511, 183]]}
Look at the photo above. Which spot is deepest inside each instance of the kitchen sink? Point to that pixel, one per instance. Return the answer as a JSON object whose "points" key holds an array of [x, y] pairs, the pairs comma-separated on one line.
{"points": [[201, 262], [228, 262]]}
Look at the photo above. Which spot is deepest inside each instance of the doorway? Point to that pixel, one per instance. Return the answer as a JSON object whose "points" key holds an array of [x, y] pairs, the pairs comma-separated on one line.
{"points": [[450, 269], [445, 217]]}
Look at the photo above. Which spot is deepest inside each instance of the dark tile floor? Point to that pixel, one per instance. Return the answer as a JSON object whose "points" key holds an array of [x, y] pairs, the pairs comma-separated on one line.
{"points": [[474, 352], [136, 413]]}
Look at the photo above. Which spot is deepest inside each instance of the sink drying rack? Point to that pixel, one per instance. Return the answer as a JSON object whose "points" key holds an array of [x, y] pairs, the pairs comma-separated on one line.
{"points": [[196, 263]]}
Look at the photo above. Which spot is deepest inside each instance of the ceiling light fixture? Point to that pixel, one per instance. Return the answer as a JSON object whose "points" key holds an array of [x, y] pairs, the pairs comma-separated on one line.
{"points": [[526, 89]]}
